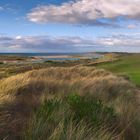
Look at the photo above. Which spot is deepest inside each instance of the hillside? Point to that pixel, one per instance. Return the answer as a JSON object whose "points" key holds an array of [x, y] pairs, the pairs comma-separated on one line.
{"points": [[81, 103]]}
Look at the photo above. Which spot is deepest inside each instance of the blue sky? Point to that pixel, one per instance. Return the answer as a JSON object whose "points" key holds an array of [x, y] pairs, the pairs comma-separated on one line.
{"points": [[69, 26]]}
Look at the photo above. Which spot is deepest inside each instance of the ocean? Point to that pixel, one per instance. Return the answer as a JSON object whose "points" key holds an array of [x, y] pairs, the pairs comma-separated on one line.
{"points": [[40, 54]]}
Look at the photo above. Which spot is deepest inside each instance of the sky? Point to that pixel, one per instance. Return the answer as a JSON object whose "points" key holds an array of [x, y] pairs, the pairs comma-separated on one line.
{"points": [[69, 26]]}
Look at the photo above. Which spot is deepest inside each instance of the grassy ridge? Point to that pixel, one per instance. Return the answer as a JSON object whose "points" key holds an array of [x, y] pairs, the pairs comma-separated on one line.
{"points": [[7, 70], [68, 103], [127, 65]]}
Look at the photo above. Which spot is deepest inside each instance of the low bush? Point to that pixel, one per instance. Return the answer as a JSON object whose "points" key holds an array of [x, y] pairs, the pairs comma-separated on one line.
{"points": [[91, 109], [1, 63]]}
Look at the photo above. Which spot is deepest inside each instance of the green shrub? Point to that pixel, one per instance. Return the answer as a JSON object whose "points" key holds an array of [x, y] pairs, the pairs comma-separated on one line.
{"points": [[91, 109], [1, 63]]}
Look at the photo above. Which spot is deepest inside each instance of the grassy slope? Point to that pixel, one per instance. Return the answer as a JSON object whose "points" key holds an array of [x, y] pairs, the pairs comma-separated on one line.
{"points": [[128, 64], [23, 93]]}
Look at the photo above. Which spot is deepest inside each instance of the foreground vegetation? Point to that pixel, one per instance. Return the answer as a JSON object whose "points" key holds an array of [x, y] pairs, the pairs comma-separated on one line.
{"points": [[68, 103]]}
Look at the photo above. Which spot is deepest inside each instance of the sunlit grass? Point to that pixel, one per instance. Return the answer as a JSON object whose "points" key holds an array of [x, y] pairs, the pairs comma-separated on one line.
{"points": [[128, 64]]}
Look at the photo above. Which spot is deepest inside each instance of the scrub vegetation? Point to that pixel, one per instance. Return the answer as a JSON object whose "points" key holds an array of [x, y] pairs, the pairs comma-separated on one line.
{"points": [[68, 103]]}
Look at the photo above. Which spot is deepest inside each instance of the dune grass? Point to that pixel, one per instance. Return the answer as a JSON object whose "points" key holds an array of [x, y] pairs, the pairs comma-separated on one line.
{"points": [[11, 69], [67, 120], [72, 103]]}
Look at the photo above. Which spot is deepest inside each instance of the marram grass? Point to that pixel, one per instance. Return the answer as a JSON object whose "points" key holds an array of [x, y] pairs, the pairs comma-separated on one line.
{"points": [[80, 103]]}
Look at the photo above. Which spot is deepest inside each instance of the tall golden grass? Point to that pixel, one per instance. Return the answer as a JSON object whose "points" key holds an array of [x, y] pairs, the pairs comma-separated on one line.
{"points": [[21, 94]]}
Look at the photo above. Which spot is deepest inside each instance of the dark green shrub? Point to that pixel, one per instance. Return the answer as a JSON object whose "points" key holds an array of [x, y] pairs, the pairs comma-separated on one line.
{"points": [[92, 110]]}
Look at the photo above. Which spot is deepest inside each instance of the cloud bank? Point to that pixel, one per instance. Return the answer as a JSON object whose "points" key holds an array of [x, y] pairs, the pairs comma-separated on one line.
{"points": [[90, 12], [119, 43]]}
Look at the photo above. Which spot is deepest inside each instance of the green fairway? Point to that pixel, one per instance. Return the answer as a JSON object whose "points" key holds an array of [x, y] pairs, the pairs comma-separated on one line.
{"points": [[129, 64]]}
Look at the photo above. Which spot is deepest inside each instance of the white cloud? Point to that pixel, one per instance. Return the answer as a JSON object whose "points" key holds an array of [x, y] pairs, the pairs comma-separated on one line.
{"points": [[85, 11], [118, 42], [18, 37]]}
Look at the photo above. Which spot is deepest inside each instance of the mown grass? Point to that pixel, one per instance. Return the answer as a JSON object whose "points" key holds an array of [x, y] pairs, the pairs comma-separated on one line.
{"points": [[129, 64], [71, 103]]}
